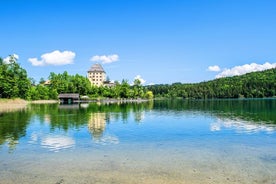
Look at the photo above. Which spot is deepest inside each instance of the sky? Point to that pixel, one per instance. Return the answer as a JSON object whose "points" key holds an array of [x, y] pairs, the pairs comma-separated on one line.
{"points": [[157, 41]]}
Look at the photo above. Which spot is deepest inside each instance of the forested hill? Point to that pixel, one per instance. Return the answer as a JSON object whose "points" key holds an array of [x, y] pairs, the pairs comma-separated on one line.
{"points": [[251, 85], [14, 83]]}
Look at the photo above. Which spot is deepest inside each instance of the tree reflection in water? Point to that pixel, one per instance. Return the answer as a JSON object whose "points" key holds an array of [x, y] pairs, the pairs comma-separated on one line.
{"points": [[259, 112], [13, 126]]}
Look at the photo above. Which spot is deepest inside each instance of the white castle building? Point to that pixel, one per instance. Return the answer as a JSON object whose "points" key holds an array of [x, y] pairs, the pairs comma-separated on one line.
{"points": [[96, 75]]}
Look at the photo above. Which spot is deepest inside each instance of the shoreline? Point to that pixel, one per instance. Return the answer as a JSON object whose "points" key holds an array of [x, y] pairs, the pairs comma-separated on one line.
{"points": [[9, 105], [113, 100], [43, 102]]}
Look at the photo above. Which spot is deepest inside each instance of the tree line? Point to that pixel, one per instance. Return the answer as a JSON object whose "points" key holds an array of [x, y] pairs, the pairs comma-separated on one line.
{"points": [[251, 85], [14, 83]]}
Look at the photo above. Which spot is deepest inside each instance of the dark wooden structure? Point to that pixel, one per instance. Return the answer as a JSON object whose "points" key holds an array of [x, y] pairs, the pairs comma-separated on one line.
{"points": [[69, 98]]}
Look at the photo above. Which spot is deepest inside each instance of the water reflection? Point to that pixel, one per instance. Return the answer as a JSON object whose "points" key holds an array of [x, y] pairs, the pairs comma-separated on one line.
{"points": [[97, 124], [240, 126], [251, 110], [243, 116], [13, 126], [57, 142], [52, 142]]}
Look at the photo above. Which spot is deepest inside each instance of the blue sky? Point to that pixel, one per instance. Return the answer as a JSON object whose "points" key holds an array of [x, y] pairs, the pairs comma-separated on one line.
{"points": [[163, 41]]}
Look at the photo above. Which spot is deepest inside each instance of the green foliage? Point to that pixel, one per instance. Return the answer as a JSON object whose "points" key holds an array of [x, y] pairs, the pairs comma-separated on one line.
{"points": [[251, 85], [65, 83], [149, 95], [13, 79], [14, 83]]}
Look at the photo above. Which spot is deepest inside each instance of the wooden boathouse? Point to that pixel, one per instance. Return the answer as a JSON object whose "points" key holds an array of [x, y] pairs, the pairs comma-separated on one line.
{"points": [[69, 98]]}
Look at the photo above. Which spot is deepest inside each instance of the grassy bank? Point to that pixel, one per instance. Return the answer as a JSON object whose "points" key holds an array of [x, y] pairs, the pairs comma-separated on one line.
{"points": [[7, 105], [44, 101]]}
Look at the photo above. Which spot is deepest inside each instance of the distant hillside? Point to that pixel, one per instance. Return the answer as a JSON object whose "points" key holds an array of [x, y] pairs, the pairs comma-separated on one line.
{"points": [[251, 85]]}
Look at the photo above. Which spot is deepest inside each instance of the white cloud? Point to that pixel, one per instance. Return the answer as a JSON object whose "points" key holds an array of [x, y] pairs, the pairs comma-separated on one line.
{"points": [[16, 56], [7, 59], [214, 68], [35, 62], [54, 58], [247, 68], [141, 79], [105, 59]]}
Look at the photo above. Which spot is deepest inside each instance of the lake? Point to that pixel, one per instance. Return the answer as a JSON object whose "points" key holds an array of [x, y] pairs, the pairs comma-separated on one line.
{"points": [[170, 142]]}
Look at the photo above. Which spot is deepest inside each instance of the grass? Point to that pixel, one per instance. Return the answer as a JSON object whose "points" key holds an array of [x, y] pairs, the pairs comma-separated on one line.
{"points": [[7, 105], [13, 101]]}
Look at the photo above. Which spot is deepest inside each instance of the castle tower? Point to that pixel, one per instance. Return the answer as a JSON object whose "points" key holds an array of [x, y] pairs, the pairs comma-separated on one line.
{"points": [[96, 75]]}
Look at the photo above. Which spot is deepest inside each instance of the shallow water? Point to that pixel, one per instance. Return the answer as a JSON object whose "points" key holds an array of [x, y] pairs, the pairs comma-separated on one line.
{"points": [[219, 141]]}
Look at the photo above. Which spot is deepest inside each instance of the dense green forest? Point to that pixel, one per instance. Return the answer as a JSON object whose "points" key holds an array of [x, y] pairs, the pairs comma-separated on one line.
{"points": [[14, 83], [251, 85]]}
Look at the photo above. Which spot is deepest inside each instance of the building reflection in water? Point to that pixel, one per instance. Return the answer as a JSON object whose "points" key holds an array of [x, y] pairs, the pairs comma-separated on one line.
{"points": [[97, 124]]}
